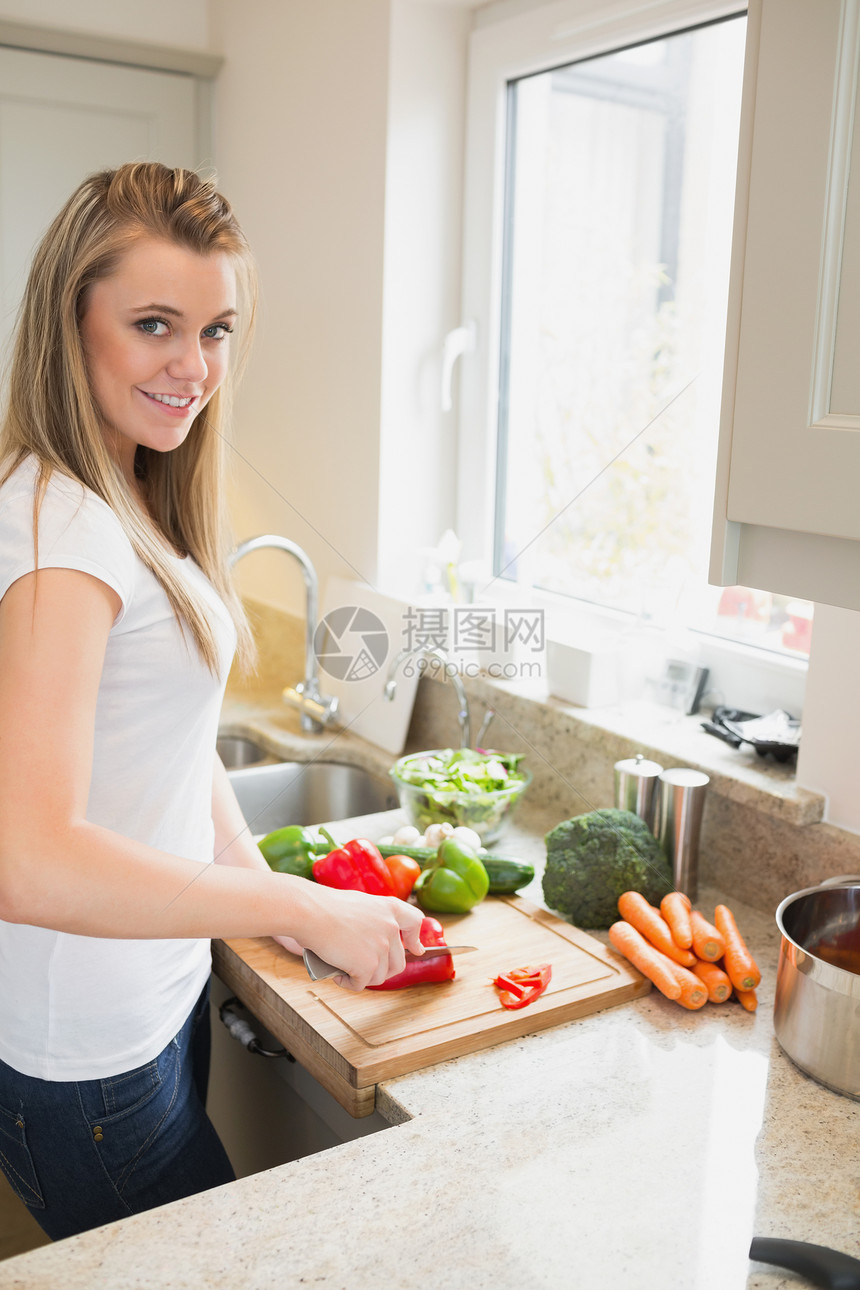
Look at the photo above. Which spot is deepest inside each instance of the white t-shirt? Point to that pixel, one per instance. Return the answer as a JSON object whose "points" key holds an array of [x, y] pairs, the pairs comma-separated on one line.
{"points": [[80, 1007]]}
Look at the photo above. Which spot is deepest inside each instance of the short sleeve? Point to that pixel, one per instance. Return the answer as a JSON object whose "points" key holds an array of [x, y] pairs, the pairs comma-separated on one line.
{"points": [[77, 530]]}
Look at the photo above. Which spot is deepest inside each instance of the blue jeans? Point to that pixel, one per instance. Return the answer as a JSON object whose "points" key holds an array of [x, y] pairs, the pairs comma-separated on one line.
{"points": [[84, 1153]]}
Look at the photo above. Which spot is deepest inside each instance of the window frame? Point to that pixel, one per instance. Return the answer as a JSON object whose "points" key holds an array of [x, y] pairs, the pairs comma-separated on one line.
{"points": [[505, 45]]}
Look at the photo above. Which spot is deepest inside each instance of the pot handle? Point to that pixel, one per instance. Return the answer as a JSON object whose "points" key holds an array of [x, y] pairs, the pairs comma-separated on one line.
{"points": [[841, 879], [823, 1266]]}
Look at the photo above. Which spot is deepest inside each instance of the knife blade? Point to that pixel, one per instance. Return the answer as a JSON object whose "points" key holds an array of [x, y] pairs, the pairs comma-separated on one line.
{"points": [[319, 970]]}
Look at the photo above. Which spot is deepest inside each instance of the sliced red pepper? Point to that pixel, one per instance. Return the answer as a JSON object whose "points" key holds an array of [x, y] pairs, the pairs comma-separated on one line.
{"points": [[521, 986], [512, 1001], [543, 972], [356, 866], [508, 983], [419, 971]]}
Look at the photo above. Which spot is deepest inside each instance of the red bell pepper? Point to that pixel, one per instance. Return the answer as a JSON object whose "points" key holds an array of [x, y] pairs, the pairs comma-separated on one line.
{"points": [[521, 986], [419, 971], [356, 866]]}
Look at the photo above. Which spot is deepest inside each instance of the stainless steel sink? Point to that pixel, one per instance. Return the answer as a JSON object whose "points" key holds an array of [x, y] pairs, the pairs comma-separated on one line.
{"points": [[293, 792], [236, 750]]}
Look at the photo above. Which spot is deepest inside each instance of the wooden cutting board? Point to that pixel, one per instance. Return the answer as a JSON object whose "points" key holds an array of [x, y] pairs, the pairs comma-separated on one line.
{"points": [[351, 1042]]}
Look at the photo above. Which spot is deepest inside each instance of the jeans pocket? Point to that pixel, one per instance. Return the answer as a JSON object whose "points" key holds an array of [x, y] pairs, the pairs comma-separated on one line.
{"points": [[16, 1161], [127, 1113], [122, 1095]]}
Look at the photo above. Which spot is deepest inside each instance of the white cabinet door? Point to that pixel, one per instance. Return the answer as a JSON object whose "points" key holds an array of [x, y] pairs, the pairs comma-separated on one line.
{"points": [[62, 118], [787, 514]]}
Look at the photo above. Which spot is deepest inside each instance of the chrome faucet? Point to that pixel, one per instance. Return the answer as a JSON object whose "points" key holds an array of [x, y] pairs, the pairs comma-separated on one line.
{"points": [[316, 711], [453, 676]]}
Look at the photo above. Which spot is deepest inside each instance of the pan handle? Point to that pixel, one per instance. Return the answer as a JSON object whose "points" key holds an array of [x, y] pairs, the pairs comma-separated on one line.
{"points": [[823, 1267], [841, 880]]}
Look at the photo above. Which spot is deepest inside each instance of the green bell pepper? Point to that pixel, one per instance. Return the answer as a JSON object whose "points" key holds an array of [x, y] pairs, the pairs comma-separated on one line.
{"points": [[454, 882], [290, 850]]}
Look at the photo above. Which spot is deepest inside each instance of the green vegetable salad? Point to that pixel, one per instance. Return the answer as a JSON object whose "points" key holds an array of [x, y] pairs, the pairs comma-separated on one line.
{"points": [[461, 786]]}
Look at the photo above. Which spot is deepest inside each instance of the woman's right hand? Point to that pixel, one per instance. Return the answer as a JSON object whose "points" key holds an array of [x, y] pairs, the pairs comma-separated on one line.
{"points": [[367, 936]]}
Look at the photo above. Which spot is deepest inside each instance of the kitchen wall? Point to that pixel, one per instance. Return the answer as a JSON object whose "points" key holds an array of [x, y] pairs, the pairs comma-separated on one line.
{"points": [[301, 110], [423, 233], [339, 141]]}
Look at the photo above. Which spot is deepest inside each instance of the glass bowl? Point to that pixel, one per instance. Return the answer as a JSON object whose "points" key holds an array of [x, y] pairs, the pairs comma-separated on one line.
{"points": [[484, 810]]}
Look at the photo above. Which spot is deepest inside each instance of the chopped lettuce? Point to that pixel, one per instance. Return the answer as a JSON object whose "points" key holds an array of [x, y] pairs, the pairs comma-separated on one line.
{"points": [[462, 770]]}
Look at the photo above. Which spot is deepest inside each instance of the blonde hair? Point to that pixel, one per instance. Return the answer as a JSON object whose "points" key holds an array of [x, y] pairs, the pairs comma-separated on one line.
{"points": [[51, 411]]}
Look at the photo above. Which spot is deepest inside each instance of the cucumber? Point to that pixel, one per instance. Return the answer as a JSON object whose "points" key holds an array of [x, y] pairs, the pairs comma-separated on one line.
{"points": [[506, 875]]}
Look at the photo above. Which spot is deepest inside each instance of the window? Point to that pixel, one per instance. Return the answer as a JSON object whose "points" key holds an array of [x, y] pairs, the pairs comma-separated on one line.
{"points": [[614, 251]]}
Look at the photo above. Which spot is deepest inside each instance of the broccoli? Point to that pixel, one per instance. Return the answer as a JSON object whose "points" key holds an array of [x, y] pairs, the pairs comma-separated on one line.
{"points": [[593, 858]]}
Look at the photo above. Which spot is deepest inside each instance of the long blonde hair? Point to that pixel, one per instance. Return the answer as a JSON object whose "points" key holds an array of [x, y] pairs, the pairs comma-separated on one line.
{"points": [[51, 411]]}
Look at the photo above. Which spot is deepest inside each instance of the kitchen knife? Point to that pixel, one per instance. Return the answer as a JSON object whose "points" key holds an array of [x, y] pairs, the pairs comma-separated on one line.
{"points": [[319, 970]]}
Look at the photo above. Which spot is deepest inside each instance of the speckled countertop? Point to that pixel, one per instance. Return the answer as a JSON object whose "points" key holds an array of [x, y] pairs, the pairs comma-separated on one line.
{"points": [[641, 1147]]}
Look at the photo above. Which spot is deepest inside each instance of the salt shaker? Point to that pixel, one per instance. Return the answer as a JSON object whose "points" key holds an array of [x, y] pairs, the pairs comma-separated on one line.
{"points": [[636, 780]]}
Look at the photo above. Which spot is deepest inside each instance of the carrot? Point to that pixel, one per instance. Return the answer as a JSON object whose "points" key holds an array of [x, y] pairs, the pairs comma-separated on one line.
{"points": [[739, 963], [675, 908], [747, 998], [644, 917], [718, 985], [642, 955], [708, 944], [694, 993]]}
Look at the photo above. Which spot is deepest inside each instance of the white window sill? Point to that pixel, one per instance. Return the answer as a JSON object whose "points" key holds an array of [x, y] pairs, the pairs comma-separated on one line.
{"points": [[674, 739], [741, 675]]}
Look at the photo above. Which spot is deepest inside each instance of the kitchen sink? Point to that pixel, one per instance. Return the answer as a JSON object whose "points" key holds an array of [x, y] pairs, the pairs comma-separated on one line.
{"points": [[236, 750], [293, 792]]}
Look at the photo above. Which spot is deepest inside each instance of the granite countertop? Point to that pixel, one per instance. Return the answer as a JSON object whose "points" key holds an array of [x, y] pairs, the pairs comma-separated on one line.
{"points": [[641, 1147]]}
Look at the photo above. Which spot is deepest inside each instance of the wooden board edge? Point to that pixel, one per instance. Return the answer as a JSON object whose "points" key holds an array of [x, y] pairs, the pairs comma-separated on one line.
{"points": [[302, 1033], [264, 1003], [386, 1067], [384, 1063]]}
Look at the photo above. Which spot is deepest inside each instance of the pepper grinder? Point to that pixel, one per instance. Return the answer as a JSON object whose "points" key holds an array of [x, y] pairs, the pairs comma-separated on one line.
{"points": [[681, 800], [636, 780]]}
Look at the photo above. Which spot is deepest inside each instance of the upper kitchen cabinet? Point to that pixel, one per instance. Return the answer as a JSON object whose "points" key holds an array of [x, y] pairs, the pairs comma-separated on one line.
{"points": [[787, 513]]}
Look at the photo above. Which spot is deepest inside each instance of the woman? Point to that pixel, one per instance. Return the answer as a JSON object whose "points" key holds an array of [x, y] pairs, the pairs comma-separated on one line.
{"points": [[117, 627]]}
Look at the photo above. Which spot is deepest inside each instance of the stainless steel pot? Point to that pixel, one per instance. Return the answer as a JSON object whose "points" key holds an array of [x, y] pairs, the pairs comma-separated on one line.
{"points": [[817, 1009]]}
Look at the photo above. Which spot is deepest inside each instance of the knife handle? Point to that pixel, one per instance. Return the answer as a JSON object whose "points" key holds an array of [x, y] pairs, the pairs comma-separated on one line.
{"points": [[823, 1266], [318, 969]]}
